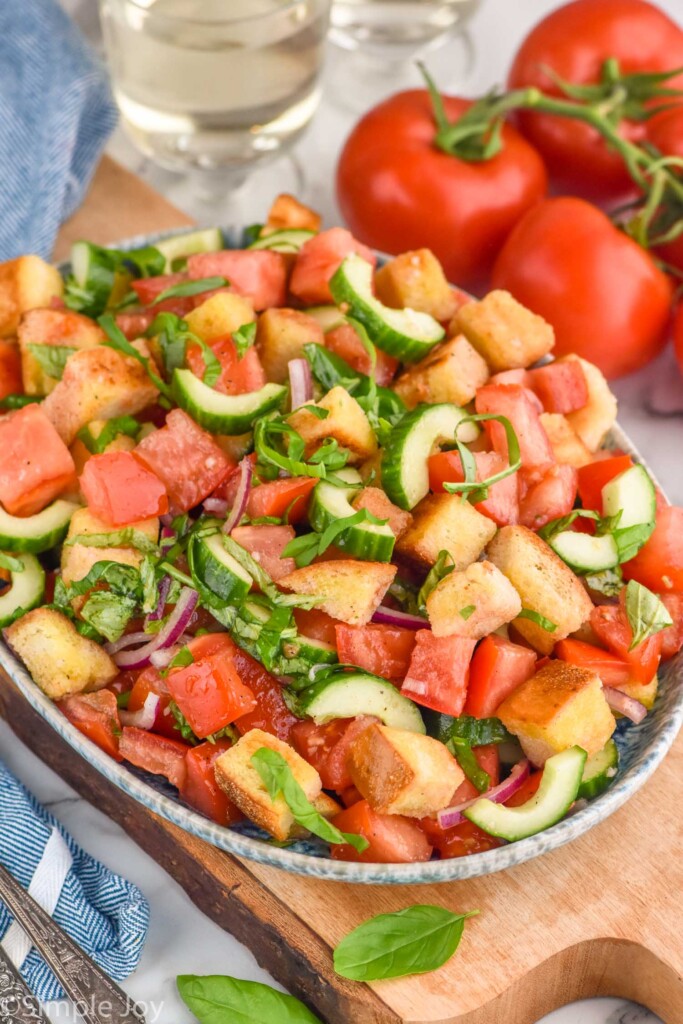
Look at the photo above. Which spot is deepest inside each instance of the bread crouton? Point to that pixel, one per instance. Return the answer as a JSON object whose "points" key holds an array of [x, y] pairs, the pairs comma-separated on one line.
{"points": [[545, 584], [444, 522], [288, 212], [473, 602], [566, 444], [25, 283], [280, 336], [376, 502], [452, 372], [52, 327], [416, 280], [351, 591], [346, 423], [507, 334], [220, 315], [326, 806], [400, 772], [240, 781], [61, 661], [98, 383], [595, 420], [561, 706], [78, 559]]}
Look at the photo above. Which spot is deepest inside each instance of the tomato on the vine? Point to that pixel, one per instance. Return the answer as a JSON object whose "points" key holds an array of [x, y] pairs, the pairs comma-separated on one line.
{"points": [[665, 131], [604, 295], [397, 190], [573, 42], [678, 335]]}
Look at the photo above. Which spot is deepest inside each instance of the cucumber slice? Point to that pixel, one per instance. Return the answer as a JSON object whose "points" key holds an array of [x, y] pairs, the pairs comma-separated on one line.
{"points": [[313, 652], [36, 533], [329, 504], [404, 333], [557, 792], [348, 694], [585, 553], [216, 570], [287, 240], [633, 494], [599, 771], [179, 246], [405, 476], [27, 590], [328, 317], [223, 414]]}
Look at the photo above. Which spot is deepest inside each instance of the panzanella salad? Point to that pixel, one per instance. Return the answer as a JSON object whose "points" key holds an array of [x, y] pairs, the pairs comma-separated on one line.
{"points": [[321, 542]]}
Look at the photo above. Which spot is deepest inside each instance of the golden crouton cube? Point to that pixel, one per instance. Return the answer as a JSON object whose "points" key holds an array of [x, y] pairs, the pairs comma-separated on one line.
{"points": [[566, 444], [326, 806], [61, 661], [473, 602], [452, 372], [351, 591], [504, 332], [401, 772], [444, 522], [98, 383], [78, 559], [281, 336], [546, 585], [415, 280], [25, 283], [220, 315], [52, 327], [376, 502], [346, 423], [240, 781], [288, 212], [560, 707], [594, 421]]}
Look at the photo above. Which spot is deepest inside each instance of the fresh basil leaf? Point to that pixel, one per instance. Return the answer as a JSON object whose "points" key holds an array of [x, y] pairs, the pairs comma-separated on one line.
{"points": [[128, 537], [645, 612], [148, 583], [10, 563], [51, 358], [315, 410], [464, 755], [186, 289], [540, 620], [123, 700], [416, 940], [443, 566], [559, 525], [104, 265], [278, 779], [147, 261], [608, 582], [467, 611], [179, 721], [123, 580], [630, 540], [218, 999], [478, 732], [108, 613], [119, 342], [112, 429], [476, 490], [251, 234], [268, 444], [244, 337], [307, 547], [19, 401]]}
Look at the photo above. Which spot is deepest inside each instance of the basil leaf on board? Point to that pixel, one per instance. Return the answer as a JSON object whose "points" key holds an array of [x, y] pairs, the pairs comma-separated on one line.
{"points": [[186, 289], [645, 612], [278, 779], [219, 999], [119, 342], [464, 755], [108, 613], [51, 358], [540, 620], [443, 566], [128, 537], [10, 563], [112, 429], [478, 490], [244, 337], [416, 940]]}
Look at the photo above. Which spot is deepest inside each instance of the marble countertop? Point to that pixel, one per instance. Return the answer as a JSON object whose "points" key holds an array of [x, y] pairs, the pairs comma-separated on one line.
{"points": [[181, 939]]}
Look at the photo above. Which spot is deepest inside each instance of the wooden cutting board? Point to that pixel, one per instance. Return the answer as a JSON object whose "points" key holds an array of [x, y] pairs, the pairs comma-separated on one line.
{"points": [[601, 916]]}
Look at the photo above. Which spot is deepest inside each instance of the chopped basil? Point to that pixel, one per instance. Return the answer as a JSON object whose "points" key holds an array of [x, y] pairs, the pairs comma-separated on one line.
{"points": [[540, 620], [478, 490], [109, 613], [112, 429], [307, 547], [186, 289], [244, 337], [645, 612], [128, 537], [10, 563], [467, 611], [443, 566], [119, 342], [51, 358]]}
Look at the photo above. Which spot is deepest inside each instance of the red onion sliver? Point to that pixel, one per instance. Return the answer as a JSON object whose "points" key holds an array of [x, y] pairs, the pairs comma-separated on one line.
{"points": [[160, 659], [145, 717], [178, 620], [164, 587], [625, 705], [391, 617], [242, 497], [300, 382], [499, 794], [215, 506], [129, 640]]}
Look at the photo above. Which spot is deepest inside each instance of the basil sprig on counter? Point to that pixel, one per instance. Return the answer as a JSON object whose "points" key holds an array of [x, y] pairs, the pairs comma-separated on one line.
{"points": [[217, 999]]}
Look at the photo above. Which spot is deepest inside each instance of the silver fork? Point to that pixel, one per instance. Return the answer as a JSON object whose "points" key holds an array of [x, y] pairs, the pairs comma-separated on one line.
{"points": [[97, 998], [18, 1005]]}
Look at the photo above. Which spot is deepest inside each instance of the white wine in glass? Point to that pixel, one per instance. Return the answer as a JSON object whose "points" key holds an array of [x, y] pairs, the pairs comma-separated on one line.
{"points": [[408, 25]]}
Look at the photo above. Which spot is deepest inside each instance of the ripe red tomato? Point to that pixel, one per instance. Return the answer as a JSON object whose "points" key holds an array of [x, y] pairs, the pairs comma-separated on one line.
{"points": [[678, 335], [659, 563], [574, 41], [603, 294], [397, 191]]}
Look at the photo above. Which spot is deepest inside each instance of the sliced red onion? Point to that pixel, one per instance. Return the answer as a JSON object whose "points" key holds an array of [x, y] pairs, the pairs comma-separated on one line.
{"points": [[174, 628], [300, 382], [215, 506], [160, 659], [145, 717], [391, 617], [129, 640], [499, 794], [625, 705], [239, 505], [164, 587]]}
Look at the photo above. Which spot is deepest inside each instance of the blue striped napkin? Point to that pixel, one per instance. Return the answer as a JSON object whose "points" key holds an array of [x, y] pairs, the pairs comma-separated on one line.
{"points": [[56, 113], [106, 915]]}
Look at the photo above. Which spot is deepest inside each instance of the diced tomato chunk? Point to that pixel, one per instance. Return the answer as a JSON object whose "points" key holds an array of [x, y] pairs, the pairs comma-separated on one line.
{"points": [[525, 792], [460, 840], [238, 375], [120, 489], [10, 370], [271, 713], [498, 667], [551, 497], [613, 671], [659, 563], [593, 477], [96, 715], [317, 261], [150, 681], [502, 503], [200, 789], [439, 670], [136, 323], [514, 402], [612, 627], [383, 650], [258, 274], [266, 544], [561, 387], [392, 838], [35, 464], [279, 497], [488, 759], [317, 625], [344, 342], [672, 636], [327, 746], [186, 459], [156, 754], [209, 692]]}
